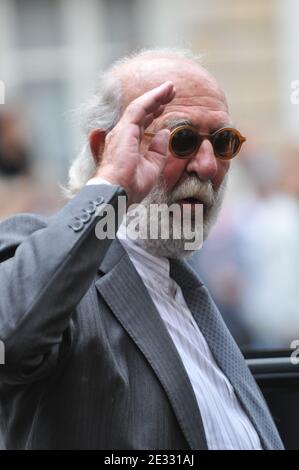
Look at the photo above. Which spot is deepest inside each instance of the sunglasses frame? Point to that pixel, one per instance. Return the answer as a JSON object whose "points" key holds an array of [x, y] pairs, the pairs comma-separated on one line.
{"points": [[201, 137]]}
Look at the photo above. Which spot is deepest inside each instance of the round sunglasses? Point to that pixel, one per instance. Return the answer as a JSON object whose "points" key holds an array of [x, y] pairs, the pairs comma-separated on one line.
{"points": [[185, 141]]}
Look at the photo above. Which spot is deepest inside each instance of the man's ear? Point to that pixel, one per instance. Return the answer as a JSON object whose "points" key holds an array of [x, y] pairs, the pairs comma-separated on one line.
{"points": [[97, 143]]}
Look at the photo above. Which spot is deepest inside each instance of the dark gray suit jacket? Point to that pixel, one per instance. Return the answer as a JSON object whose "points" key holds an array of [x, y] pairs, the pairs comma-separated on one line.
{"points": [[89, 362]]}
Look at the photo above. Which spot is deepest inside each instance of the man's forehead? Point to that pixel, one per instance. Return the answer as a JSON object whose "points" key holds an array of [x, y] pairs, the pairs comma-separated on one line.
{"points": [[190, 79]]}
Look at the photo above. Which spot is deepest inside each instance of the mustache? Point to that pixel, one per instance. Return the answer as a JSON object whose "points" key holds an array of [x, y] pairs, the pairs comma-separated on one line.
{"points": [[193, 187]]}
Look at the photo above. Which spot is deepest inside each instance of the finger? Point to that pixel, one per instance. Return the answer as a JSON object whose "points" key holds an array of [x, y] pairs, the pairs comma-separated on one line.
{"points": [[152, 100], [148, 103], [148, 120], [150, 117], [158, 148], [159, 111]]}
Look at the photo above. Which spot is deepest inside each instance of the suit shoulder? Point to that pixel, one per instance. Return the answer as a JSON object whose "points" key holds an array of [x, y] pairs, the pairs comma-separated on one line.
{"points": [[15, 229]]}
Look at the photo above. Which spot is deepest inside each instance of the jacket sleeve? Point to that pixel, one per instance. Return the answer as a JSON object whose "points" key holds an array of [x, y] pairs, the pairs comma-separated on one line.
{"points": [[46, 268]]}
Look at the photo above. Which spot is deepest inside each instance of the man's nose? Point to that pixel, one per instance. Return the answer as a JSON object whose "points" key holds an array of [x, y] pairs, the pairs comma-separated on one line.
{"points": [[203, 163]]}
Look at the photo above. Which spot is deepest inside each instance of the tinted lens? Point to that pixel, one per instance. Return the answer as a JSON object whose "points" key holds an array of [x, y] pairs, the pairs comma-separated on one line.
{"points": [[184, 142], [226, 144]]}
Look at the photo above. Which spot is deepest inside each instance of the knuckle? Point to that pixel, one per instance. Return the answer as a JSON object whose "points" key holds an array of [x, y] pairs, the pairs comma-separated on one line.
{"points": [[133, 107]]}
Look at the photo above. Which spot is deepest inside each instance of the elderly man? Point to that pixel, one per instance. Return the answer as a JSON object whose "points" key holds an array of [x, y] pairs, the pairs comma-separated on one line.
{"points": [[117, 344]]}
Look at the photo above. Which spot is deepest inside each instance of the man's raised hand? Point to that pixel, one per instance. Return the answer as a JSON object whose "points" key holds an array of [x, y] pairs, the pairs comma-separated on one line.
{"points": [[122, 162]]}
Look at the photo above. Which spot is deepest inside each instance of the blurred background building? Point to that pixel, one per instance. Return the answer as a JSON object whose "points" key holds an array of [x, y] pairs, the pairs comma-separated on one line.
{"points": [[50, 54]]}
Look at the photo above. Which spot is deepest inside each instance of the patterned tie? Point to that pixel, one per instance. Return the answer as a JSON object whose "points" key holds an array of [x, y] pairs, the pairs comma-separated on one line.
{"points": [[226, 352]]}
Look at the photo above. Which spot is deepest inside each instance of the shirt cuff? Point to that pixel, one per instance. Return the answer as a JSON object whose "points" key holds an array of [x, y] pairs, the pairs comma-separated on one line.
{"points": [[97, 181]]}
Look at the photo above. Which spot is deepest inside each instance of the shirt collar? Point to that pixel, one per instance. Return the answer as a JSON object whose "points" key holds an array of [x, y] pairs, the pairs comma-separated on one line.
{"points": [[154, 270]]}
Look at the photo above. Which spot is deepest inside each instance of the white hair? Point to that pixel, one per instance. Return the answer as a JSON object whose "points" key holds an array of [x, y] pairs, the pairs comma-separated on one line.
{"points": [[104, 108]]}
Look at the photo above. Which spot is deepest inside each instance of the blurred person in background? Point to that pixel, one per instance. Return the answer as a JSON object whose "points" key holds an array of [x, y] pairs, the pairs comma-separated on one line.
{"points": [[20, 189], [251, 260], [268, 224], [118, 344], [14, 151]]}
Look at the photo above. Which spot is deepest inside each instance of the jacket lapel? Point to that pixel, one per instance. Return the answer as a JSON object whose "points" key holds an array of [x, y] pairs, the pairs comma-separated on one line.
{"points": [[226, 352], [126, 295]]}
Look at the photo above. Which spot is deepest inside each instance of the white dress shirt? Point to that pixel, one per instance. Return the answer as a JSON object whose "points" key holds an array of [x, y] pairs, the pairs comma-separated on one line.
{"points": [[226, 424]]}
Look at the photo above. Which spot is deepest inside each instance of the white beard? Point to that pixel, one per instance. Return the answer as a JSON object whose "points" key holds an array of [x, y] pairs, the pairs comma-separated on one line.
{"points": [[172, 247]]}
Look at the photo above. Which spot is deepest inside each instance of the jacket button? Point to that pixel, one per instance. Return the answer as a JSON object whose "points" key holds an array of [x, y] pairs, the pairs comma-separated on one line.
{"points": [[91, 208], [77, 225], [99, 200], [85, 217]]}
